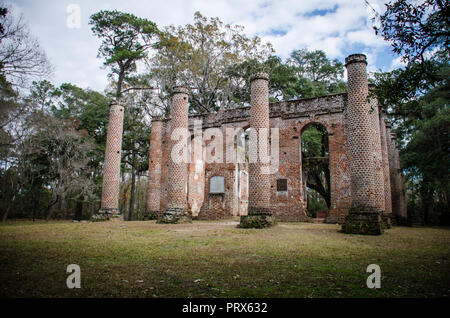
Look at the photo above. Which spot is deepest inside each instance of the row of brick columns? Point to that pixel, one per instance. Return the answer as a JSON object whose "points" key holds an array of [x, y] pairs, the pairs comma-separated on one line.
{"points": [[259, 214], [369, 144], [396, 178]]}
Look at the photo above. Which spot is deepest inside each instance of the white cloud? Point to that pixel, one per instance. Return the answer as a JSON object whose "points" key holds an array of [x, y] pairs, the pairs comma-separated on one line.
{"points": [[337, 26]]}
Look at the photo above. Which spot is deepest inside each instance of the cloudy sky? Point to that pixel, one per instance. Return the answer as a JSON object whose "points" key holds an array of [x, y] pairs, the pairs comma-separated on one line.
{"points": [[339, 27]]}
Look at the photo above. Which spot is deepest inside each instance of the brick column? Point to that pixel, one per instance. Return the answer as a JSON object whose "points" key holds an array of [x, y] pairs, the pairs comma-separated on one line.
{"points": [[386, 172], [154, 170], [177, 207], [402, 210], [378, 161], [364, 215], [259, 214], [111, 170]]}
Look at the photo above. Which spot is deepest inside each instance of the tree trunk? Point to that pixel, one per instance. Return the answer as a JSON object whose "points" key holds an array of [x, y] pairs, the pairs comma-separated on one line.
{"points": [[92, 210], [79, 210], [132, 194], [50, 208], [138, 194], [5, 215], [119, 82], [427, 204]]}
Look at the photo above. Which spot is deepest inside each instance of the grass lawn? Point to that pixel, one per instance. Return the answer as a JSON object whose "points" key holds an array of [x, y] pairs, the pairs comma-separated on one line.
{"points": [[215, 259]]}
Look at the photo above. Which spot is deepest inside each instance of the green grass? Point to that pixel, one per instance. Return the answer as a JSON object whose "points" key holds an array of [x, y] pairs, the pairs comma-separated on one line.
{"points": [[215, 259]]}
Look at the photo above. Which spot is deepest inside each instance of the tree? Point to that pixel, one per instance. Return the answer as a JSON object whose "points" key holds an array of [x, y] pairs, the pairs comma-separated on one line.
{"points": [[306, 74], [198, 56], [126, 40], [88, 111], [135, 147], [315, 160], [283, 83], [416, 99], [21, 60], [21, 57], [43, 94], [417, 28], [317, 73], [61, 154]]}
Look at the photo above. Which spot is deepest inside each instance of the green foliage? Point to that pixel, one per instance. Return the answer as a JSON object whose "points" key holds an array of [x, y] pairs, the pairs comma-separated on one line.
{"points": [[320, 75], [417, 97], [126, 39], [89, 111], [315, 164], [306, 74], [417, 28], [199, 56], [315, 203]]}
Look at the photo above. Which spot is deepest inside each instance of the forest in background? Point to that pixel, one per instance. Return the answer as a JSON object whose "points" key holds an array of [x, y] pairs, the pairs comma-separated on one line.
{"points": [[52, 139]]}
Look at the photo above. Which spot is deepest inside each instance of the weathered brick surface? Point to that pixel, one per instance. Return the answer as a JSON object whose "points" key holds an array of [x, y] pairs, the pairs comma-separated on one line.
{"points": [[218, 206], [357, 157], [377, 156], [177, 176], [364, 185], [221, 206], [111, 169], [196, 179], [288, 205], [396, 178], [364, 144], [154, 168], [165, 165], [385, 155], [259, 183]]}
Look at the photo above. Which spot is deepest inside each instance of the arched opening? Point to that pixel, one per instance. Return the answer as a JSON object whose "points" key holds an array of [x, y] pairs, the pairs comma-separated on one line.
{"points": [[316, 170]]}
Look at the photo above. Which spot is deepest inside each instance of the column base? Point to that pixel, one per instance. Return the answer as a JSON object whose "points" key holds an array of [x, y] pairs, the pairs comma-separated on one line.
{"points": [[175, 216], [107, 215], [361, 220], [386, 218], [257, 218], [154, 215]]}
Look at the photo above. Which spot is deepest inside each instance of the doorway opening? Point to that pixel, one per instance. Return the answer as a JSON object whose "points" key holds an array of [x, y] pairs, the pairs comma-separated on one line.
{"points": [[316, 170]]}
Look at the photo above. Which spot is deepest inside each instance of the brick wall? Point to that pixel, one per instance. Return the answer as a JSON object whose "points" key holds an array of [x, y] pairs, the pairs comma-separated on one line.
{"points": [[177, 171], [359, 158], [385, 156]]}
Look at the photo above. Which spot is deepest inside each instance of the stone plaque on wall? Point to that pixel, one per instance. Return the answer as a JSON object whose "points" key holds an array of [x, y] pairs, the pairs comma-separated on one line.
{"points": [[217, 185]]}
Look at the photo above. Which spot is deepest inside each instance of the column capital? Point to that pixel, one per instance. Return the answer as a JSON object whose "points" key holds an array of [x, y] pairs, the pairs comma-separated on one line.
{"points": [[180, 90], [259, 75], [355, 58]]}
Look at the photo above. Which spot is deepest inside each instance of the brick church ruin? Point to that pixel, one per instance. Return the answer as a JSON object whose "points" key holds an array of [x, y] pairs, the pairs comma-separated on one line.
{"points": [[366, 184]]}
